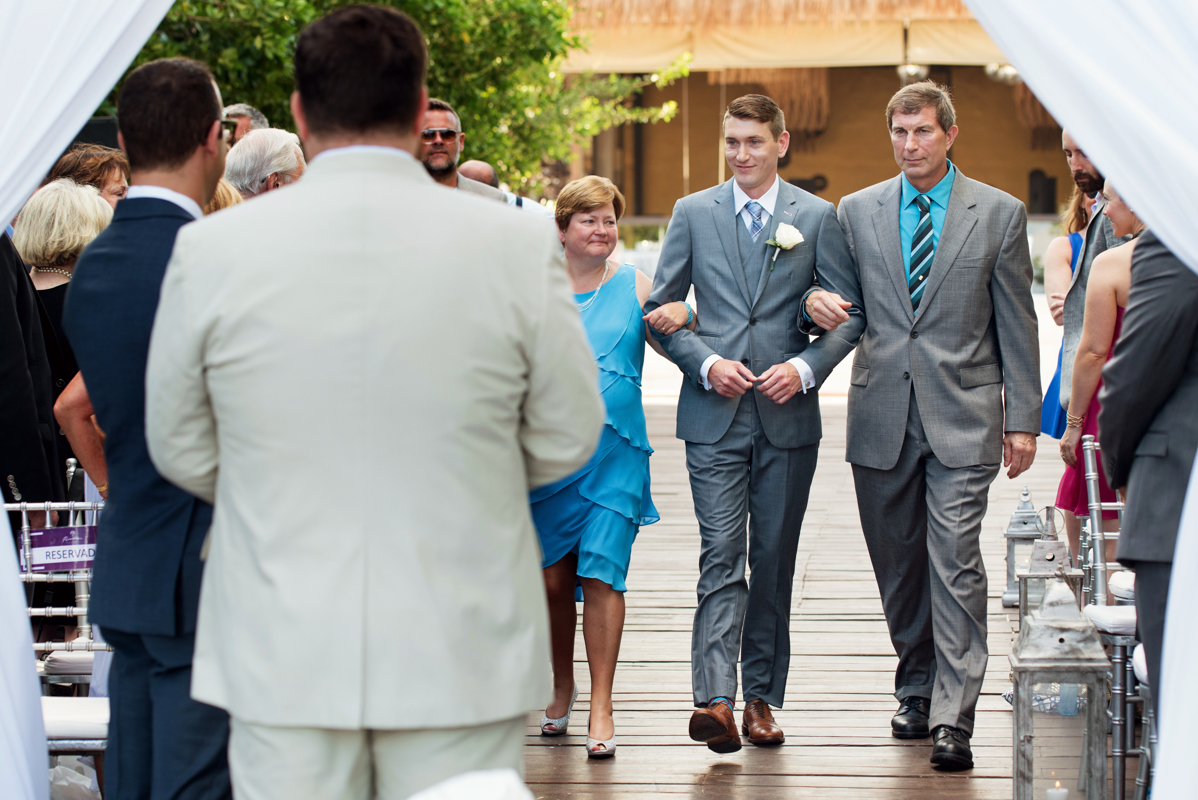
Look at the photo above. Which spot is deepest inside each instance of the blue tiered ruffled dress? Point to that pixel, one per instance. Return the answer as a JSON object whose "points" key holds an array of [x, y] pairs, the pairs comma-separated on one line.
{"points": [[596, 512]]}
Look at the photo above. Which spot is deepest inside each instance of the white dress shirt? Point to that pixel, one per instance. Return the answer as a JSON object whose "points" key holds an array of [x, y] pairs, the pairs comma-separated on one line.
{"points": [[144, 190], [767, 201]]}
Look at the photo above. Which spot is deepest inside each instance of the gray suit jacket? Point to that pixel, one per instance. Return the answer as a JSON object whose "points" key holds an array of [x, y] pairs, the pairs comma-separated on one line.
{"points": [[481, 189], [1148, 425], [758, 325], [975, 342], [1099, 239]]}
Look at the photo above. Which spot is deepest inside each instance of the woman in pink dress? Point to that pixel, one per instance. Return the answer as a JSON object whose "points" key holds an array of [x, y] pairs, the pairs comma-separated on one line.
{"points": [[1106, 298]]}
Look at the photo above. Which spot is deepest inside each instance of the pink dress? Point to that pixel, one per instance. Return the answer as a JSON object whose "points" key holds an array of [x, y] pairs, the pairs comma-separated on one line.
{"points": [[1071, 495]]}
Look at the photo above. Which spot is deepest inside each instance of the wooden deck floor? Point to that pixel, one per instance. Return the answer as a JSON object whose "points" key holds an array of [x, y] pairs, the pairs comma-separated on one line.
{"points": [[839, 700]]}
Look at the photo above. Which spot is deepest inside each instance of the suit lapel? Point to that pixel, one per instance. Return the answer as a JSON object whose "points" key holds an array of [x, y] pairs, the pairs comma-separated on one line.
{"points": [[784, 212], [723, 215], [886, 229], [1094, 228], [958, 223]]}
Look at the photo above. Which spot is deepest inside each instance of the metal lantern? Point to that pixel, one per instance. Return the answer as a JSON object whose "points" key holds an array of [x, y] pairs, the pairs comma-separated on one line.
{"points": [[1023, 530], [1049, 559], [1061, 676]]}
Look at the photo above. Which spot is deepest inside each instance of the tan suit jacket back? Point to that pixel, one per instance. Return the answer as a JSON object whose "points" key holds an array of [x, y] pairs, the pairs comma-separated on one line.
{"points": [[366, 374]]}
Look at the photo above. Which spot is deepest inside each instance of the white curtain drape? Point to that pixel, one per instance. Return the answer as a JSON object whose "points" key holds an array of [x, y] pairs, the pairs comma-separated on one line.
{"points": [[58, 59], [24, 768], [1122, 77]]}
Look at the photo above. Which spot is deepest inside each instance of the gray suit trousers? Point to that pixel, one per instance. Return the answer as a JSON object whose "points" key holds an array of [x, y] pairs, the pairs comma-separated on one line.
{"points": [[743, 475], [922, 523]]}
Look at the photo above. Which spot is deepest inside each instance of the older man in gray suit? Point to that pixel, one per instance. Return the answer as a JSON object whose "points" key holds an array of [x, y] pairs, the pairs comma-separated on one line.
{"points": [[749, 248], [946, 277]]}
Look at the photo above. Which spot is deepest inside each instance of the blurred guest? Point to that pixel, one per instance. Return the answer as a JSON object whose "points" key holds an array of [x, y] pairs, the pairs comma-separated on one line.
{"points": [[224, 196], [265, 160], [442, 143], [1148, 428], [29, 463], [349, 674], [52, 229], [483, 172], [248, 119], [1098, 237], [95, 165], [587, 522], [1106, 297], [146, 586]]}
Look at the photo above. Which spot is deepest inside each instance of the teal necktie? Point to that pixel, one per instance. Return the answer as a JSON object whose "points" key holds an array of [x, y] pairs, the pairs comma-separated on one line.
{"points": [[923, 248]]}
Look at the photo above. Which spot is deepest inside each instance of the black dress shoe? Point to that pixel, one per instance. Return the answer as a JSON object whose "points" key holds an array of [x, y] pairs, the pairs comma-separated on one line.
{"points": [[911, 720], [950, 749]]}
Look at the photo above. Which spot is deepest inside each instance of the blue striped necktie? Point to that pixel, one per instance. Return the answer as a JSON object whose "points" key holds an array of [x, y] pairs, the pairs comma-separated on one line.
{"points": [[923, 248], [755, 211]]}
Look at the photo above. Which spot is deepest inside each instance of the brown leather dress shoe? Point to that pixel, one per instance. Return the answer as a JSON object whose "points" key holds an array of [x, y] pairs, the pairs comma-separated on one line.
{"points": [[760, 726], [716, 727]]}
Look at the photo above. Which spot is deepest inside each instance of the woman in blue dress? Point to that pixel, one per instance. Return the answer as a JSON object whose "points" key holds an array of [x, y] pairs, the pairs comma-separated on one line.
{"points": [[587, 522]]}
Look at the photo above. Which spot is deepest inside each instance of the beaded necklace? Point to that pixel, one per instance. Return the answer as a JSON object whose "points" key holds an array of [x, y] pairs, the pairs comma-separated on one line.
{"points": [[591, 300]]}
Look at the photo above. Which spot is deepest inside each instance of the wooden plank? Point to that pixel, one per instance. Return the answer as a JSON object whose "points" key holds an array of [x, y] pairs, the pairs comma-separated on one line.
{"points": [[839, 690]]}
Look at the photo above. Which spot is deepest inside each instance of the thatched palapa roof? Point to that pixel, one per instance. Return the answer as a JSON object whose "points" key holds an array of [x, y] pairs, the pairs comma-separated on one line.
{"points": [[594, 14]]}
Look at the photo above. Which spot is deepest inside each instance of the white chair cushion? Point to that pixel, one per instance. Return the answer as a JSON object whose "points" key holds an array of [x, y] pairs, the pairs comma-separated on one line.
{"points": [[1139, 663], [1123, 584], [63, 663], [1113, 620], [75, 717]]}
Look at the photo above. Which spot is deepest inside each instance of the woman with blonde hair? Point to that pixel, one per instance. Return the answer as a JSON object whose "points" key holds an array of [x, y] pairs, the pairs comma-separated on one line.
{"points": [[587, 522], [224, 196], [50, 233]]}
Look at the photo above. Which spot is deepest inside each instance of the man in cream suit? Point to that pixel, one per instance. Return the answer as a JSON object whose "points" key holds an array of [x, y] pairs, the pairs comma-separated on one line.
{"points": [[945, 385], [367, 400]]}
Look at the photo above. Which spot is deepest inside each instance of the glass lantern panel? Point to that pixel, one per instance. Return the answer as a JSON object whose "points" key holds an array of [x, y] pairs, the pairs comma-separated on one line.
{"points": [[1059, 743], [1035, 592]]}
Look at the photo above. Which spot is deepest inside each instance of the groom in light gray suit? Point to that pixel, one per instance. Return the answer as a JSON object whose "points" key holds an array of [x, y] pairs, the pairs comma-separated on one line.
{"points": [[945, 384], [751, 426]]}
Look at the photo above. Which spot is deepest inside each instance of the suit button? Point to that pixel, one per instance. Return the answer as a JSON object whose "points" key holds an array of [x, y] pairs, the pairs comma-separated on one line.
{"points": [[745, 361], [60, 383], [753, 320], [914, 334], [906, 376]]}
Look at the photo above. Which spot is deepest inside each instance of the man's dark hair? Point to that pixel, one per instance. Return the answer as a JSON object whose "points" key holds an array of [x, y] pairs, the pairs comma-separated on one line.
{"points": [[359, 69], [437, 104], [165, 110]]}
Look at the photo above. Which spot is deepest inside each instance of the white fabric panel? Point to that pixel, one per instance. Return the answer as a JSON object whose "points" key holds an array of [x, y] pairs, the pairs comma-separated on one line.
{"points": [[24, 768], [1123, 78], [59, 58]]}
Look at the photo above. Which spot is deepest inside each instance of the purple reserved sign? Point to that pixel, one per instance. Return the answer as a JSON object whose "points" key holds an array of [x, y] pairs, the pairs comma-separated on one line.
{"points": [[60, 549]]}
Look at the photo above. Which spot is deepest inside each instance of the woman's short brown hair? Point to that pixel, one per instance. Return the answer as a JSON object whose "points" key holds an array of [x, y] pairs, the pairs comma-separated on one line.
{"points": [[59, 221], [918, 96], [585, 195], [90, 164]]}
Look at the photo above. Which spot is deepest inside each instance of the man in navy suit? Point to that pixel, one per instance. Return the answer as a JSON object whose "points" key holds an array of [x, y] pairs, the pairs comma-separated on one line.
{"points": [[161, 744]]}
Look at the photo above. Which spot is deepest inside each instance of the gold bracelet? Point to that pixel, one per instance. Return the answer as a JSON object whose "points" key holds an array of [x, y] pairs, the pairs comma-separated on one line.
{"points": [[102, 488], [1072, 421]]}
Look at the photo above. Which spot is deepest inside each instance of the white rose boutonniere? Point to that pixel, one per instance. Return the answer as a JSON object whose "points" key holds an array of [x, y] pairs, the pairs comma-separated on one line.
{"points": [[785, 238]]}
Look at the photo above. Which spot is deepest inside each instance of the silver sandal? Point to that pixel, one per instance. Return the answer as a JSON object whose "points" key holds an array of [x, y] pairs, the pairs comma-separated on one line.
{"points": [[609, 746], [561, 723]]}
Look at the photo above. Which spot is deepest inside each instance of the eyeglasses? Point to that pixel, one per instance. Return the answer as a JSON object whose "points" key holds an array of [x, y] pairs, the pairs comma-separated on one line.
{"points": [[228, 129], [446, 134]]}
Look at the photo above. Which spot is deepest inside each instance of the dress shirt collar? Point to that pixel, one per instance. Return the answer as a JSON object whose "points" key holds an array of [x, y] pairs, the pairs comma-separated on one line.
{"points": [[145, 190], [939, 194], [361, 148], [767, 200]]}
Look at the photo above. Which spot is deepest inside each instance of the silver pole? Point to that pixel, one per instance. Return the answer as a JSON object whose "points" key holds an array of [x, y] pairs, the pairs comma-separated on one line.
{"points": [[1097, 537]]}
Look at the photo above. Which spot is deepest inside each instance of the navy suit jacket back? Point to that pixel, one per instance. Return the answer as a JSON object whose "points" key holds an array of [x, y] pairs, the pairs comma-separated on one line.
{"points": [[148, 568]]}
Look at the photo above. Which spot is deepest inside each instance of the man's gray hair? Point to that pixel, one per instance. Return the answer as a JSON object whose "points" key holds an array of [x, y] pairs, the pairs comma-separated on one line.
{"points": [[261, 154], [256, 117]]}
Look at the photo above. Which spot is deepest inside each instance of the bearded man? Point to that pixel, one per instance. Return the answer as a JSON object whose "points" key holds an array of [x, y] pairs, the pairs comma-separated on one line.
{"points": [[441, 143]]}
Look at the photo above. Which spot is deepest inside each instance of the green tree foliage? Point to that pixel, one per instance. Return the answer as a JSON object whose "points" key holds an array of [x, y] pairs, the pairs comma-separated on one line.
{"points": [[498, 62]]}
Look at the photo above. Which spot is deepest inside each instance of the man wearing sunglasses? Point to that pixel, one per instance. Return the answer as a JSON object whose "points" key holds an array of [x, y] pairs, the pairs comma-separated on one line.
{"points": [[441, 145]]}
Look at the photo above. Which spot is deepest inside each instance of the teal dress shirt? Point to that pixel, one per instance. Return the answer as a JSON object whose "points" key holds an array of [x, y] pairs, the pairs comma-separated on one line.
{"points": [[909, 212]]}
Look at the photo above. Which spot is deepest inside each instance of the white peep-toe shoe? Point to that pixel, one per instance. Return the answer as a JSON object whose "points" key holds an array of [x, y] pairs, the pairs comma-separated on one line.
{"points": [[561, 723], [608, 751]]}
